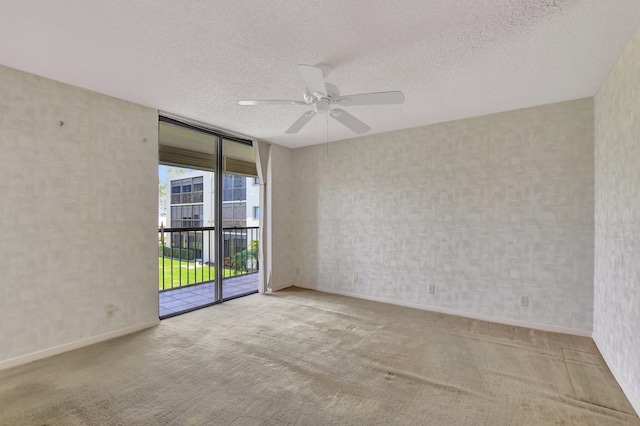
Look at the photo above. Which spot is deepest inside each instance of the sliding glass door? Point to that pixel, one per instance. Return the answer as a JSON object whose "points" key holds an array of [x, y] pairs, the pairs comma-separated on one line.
{"points": [[240, 217], [205, 218]]}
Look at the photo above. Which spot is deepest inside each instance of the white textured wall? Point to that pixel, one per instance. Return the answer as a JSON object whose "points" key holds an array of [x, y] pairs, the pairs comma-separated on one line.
{"points": [[617, 214], [78, 207], [487, 209], [279, 195]]}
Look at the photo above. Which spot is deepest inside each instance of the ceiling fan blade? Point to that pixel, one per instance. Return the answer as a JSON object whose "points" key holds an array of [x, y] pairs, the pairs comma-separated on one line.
{"points": [[269, 102], [314, 79], [300, 122], [350, 121], [379, 98]]}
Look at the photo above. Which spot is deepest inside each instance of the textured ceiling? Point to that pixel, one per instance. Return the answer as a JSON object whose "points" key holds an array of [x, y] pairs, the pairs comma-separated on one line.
{"points": [[452, 59]]}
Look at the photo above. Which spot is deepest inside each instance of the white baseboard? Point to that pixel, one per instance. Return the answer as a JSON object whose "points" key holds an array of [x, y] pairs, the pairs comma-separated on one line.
{"points": [[620, 378], [499, 320], [34, 356]]}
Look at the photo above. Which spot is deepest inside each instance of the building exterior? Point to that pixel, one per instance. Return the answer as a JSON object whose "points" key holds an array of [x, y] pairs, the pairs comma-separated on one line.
{"points": [[189, 204]]}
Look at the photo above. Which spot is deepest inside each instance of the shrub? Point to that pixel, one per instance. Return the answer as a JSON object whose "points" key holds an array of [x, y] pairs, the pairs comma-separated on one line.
{"points": [[176, 253]]}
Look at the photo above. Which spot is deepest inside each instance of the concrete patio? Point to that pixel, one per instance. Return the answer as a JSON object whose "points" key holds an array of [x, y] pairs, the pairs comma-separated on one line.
{"points": [[187, 298]]}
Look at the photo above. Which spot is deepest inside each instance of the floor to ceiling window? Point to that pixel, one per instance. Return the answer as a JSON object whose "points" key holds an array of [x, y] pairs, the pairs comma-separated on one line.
{"points": [[240, 196], [208, 229]]}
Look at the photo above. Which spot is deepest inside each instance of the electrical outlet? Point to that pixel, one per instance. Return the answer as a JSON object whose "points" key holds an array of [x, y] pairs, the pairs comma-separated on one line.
{"points": [[524, 300], [110, 309], [432, 289], [355, 279], [297, 271]]}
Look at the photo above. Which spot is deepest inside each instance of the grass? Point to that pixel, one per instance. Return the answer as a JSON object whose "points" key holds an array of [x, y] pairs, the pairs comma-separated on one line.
{"points": [[177, 273]]}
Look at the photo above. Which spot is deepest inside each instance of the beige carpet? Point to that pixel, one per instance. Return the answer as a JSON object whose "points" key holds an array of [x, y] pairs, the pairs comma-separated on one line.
{"points": [[306, 358]]}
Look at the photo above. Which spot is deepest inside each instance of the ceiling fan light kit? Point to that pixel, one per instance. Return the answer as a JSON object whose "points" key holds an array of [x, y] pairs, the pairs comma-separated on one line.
{"points": [[324, 97]]}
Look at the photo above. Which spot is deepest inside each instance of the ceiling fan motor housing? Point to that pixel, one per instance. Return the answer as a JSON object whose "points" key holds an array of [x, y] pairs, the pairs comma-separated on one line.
{"points": [[322, 105], [333, 93]]}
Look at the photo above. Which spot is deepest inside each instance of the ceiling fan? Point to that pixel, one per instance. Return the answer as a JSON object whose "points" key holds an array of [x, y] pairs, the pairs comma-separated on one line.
{"points": [[325, 97]]}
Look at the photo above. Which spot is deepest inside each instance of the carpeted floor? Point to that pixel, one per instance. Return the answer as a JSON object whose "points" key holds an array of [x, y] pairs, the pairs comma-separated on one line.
{"points": [[300, 357]]}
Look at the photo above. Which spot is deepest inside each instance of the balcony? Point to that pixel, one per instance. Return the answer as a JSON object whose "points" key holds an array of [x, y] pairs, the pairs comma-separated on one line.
{"points": [[187, 270]]}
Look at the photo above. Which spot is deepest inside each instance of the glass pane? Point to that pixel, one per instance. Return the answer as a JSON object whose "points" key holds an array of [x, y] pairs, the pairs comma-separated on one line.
{"points": [[227, 182], [240, 211], [240, 259], [227, 212], [239, 194], [186, 212], [187, 259]]}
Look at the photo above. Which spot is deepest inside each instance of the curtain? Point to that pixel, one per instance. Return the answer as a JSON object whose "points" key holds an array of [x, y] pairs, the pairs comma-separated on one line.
{"points": [[262, 152]]}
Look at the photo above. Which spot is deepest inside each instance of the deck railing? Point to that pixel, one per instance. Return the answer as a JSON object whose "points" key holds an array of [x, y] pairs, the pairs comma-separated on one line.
{"points": [[186, 256]]}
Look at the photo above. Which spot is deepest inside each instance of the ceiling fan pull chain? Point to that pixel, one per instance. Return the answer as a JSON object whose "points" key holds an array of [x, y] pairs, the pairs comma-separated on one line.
{"points": [[327, 135]]}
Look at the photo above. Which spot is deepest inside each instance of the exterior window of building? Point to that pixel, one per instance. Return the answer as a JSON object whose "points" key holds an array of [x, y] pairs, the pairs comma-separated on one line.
{"points": [[234, 214], [187, 191], [234, 196], [175, 192], [198, 187], [188, 241], [187, 216], [256, 212], [185, 194], [234, 188], [256, 181], [234, 242]]}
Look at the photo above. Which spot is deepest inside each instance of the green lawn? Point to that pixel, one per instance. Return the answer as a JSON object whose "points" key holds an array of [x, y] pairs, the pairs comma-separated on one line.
{"points": [[176, 272]]}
